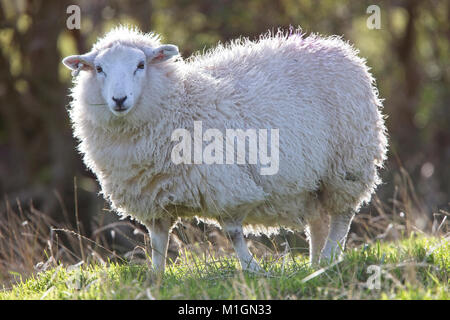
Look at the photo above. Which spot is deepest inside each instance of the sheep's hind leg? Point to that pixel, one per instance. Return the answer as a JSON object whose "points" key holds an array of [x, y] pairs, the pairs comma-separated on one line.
{"points": [[159, 234], [339, 227], [236, 235], [317, 233]]}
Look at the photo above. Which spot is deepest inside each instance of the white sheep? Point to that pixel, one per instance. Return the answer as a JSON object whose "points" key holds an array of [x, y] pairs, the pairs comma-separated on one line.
{"points": [[133, 93]]}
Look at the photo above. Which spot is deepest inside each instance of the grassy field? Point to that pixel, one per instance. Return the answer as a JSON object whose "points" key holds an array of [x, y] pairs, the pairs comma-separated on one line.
{"points": [[414, 268]]}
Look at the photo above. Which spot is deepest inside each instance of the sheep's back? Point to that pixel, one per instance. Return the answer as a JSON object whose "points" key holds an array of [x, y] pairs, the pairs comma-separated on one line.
{"points": [[316, 91]]}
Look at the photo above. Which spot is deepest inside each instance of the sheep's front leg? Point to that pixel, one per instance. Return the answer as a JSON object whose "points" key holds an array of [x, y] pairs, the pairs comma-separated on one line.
{"points": [[236, 235], [159, 234], [318, 228], [339, 226]]}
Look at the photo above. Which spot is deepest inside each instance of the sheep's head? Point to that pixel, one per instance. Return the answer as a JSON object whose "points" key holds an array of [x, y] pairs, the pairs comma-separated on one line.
{"points": [[120, 72]]}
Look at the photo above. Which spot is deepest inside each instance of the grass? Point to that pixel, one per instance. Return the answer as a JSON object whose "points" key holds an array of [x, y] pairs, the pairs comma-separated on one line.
{"points": [[413, 268], [400, 238]]}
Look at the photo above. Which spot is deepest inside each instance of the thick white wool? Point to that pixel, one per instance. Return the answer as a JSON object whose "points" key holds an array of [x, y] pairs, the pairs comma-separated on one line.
{"points": [[315, 90]]}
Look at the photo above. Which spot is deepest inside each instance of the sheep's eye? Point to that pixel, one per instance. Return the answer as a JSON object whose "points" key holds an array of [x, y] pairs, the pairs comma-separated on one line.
{"points": [[141, 65], [99, 69]]}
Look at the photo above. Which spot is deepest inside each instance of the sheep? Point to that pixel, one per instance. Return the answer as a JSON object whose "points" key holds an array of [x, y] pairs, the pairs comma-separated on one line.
{"points": [[131, 93]]}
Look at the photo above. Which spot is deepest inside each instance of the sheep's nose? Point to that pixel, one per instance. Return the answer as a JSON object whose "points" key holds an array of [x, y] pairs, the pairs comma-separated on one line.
{"points": [[119, 101]]}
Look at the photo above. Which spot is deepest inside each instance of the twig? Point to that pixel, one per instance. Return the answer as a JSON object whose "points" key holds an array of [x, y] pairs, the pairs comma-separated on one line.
{"points": [[77, 218]]}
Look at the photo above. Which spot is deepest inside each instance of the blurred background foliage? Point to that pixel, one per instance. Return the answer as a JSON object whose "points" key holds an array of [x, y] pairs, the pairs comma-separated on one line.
{"points": [[409, 57]]}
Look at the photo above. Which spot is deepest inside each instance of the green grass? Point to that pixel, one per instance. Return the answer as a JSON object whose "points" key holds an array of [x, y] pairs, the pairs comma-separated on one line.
{"points": [[415, 268]]}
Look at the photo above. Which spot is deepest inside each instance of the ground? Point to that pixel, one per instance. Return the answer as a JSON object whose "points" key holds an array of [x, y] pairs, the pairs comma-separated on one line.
{"points": [[414, 268]]}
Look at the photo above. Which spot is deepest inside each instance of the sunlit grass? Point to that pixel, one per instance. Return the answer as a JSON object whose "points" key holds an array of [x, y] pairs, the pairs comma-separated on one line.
{"points": [[414, 268]]}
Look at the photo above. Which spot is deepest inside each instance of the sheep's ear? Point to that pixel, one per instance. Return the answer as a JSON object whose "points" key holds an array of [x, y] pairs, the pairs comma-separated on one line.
{"points": [[80, 62], [161, 53]]}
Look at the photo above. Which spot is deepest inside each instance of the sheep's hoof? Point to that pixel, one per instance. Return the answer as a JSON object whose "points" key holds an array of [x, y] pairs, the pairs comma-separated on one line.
{"points": [[156, 274], [329, 261], [314, 263], [254, 268]]}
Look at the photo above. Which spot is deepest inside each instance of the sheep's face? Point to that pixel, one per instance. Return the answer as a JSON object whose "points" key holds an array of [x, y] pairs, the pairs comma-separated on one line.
{"points": [[120, 73]]}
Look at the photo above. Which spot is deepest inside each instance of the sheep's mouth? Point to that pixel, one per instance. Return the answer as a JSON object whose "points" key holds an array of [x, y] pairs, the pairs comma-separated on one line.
{"points": [[120, 109]]}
